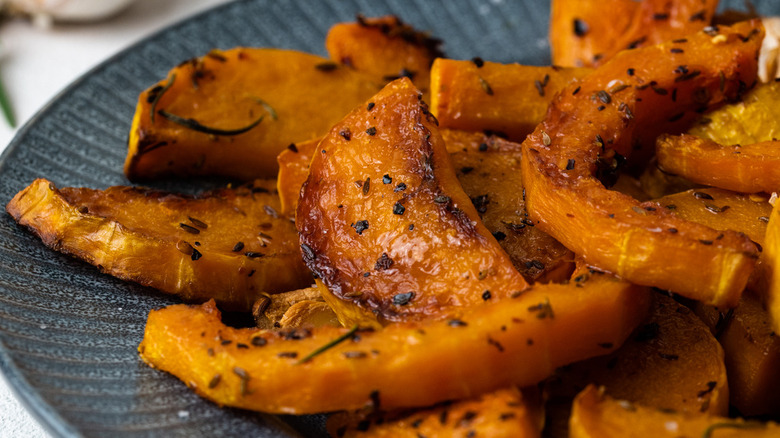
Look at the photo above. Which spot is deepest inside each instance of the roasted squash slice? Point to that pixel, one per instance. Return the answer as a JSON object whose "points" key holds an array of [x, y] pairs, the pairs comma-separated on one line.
{"points": [[384, 47], [229, 245], [505, 98], [747, 168], [385, 224], [754, 119], [752, 350], [596, 415], [770, 271], [672, 362], [562, 159], [509, 413], [515, 341], [205, 118], [587, 33]]}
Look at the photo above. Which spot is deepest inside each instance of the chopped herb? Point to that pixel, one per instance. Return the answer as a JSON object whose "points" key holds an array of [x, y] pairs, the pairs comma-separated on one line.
{"points": [[398, 208], [346, 134], [159, 94], [478, 62], [383, 262], [676, 50], [630, 71], [196, 254], [360, 226], [329, 345], [456, 323], [188, 228], [386, 179], [367, 186], [253, 254], [215, 381], [371, 130], [370, 106], [580, 27], [441, 199], [198, 223], [544, 309], [326, 66], [486, 295], [699, 16], [403, 299], [702, 195], [259, 341], [604, 96], [485, 86], [400, 187], [570, 164], [197, 126], [271, 111]]}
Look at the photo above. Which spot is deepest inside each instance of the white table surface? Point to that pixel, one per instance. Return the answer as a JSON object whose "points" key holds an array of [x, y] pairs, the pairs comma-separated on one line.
{"points": [[35, 65]]}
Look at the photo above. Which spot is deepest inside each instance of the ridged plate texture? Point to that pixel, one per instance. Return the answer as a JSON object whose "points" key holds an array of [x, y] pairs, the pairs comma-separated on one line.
{"points": [[68, 334]]}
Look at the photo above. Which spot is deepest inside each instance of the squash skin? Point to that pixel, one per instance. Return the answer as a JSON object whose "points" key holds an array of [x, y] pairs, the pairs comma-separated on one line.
{"points": [[307, 99], [420, 247], [517, 341], [596, 415], [516, 102], [749, 168], [509, 413], [135, 234], [672, 362], [639, 242], [384, 47], [607, 27]]}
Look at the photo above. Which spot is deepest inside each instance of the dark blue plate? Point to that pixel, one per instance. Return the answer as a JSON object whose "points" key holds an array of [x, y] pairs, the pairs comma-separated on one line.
{"points": [[68, 334]]}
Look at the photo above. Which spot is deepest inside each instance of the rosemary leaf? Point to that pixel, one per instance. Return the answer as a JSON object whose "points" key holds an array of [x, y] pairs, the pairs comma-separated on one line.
{"points": [[329, 345], [268, 108], [197, 126], [5, 105], [159, 95]]}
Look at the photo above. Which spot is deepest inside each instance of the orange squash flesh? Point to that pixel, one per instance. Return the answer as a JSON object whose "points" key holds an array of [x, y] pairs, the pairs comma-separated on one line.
{"points": [[722, 210], [587, 33], [507, 98], [488, 170], [596, 415], [672, 361], [180, 245], [752, 359], [747, 168], [299, 96], [384, 222], [384, 47], [509, 413], [515, 341], [770, 271], [489, 177], [642, 243]]}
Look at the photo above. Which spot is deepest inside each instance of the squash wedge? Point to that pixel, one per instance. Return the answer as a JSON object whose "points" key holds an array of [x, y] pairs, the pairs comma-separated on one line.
{"points": [[384, 222], [510, 342], [746, 168], [671, 362], [564, 157], [596, 415], [384, 47], [587, 33], [771, 268], [509, 413], [229, 245], [205, 118], [505, 98], [752, 350]]}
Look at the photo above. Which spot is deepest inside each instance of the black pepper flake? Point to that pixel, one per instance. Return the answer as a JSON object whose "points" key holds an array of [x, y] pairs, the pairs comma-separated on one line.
{"points": [[383, 262], [636, 43], [480, 203], [710, 387], [259, 342], [660, 91], [699, 16], [579, 27], [411, 227], [669, 356], [253, 254], [478, 61], [241, 346], [715, 209], [486, 295], [687, 76], [456, 323], [483, 147], [238, 246], [371, 130], [680, 40], [499, 235], [326, 66], [360, 226], [601, 108], [370, 106], [496, 344], [570, 164], [367, 186], [705, 242], [189, 229], [386, 179], [576, 90], [660, 16], [292, 147], [346, 134], [195, 254], [676, 50], [398, 208], [630, 71], [288, 354], [403, 299], [442, 199], [702, 195], [400, 187], [354, 354], [225, 342], [672, 230]]}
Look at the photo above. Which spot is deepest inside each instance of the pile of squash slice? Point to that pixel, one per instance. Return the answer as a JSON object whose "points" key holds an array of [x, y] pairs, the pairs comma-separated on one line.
{"points": [[588, 249]]}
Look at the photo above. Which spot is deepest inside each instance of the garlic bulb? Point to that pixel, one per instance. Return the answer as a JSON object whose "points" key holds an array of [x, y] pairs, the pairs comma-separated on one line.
{"points": [[67, 10]]}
